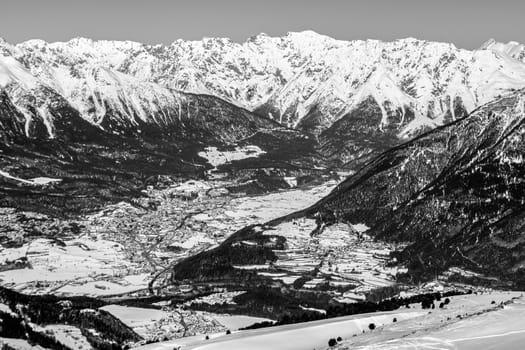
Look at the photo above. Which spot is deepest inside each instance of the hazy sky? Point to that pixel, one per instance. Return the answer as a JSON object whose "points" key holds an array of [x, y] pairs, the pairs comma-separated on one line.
{"points": [[467, 23]]}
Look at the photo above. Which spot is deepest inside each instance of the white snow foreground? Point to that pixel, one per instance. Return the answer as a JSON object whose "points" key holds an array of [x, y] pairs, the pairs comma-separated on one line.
{"points": [[309, 335], [492, 320], [468, 323]]}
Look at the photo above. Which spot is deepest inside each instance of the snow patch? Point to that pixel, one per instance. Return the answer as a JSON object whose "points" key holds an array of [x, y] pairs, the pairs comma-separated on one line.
{"points": [[13, 71], [216, 157], [360, 227], [234, 322], [37, 181]]}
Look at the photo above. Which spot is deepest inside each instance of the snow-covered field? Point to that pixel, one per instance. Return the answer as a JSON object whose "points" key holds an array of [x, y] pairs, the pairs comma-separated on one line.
{"points": [[141, 320], [234, 322], [216, 157], [37, 181], [80, 266], [469, 322], [344, 256], [69, 336], [178, 322], [309, 335], [504, 329], [274, 205], [18, 344]]}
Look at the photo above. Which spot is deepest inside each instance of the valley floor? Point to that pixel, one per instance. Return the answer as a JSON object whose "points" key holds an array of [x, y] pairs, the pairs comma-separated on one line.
{"points": [[128, 249], [119, 248]]}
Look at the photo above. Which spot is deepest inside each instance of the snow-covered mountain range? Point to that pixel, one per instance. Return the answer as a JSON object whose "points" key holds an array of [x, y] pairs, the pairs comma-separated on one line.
{"points": [[303, 80]]}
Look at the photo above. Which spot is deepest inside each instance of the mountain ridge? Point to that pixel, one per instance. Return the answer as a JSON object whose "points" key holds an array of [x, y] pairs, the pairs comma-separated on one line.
{"points": [[289, 75]]}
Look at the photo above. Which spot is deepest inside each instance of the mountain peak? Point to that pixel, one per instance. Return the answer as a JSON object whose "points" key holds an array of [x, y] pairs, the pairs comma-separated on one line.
{"points": [[512, 49], [488, 44], [306, 34]]}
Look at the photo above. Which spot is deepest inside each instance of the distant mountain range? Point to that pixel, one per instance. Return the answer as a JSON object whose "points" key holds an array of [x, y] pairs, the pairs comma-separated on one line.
{"points": [[370, 93], [286, 78]]}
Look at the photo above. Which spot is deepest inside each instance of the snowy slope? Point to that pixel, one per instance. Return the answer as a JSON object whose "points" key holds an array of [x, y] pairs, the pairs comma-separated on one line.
{"points": [[512, 48], [481, 323]]}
